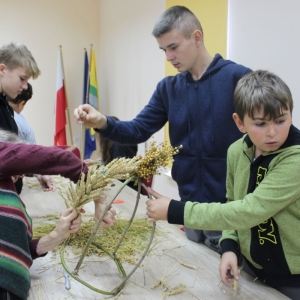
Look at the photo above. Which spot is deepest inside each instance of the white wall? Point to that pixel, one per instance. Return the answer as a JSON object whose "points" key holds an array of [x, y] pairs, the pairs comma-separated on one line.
{"points": [[264, 34], [131, 64]]}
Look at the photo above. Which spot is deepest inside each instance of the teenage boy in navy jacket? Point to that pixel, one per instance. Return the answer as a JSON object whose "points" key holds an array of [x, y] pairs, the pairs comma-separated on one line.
{"points": [[197, 103]]}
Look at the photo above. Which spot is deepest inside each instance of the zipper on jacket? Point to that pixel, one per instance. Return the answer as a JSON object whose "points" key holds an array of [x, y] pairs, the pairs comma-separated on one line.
{"points": [[196, 85], [248, 157]]}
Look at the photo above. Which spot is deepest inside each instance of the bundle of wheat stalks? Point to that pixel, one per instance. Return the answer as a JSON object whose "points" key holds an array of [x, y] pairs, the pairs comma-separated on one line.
{"points": [[89, 187], [133, 243]]}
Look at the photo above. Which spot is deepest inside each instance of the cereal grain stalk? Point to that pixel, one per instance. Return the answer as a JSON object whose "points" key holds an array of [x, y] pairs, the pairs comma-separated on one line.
{"points": [[91, 185]]}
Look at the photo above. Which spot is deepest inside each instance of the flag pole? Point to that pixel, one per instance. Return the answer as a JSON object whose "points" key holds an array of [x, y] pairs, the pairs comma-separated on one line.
{"points": [[90, 99], [87, 92], [88, 80], [68, 114], [83, 129]]}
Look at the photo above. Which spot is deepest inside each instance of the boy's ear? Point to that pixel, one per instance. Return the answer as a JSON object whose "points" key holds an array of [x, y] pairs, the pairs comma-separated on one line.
{"points": [[239, 123], [198, 37], [2, 68]]}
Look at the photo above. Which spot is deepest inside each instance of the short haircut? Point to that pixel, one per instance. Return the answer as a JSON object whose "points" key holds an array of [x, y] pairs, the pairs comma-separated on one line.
{"points": [[15, 55], [25, 95], [262, 90], [179, 18]]}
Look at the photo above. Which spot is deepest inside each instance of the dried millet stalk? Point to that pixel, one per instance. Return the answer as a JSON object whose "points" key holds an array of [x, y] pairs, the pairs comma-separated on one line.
{"points": [[90, 186]]}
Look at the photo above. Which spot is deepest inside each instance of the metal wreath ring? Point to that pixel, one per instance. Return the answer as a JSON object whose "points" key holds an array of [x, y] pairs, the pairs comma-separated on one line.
{"points": [[112, 255]]}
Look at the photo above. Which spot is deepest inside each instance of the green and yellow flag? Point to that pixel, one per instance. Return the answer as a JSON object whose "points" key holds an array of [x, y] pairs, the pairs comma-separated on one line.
{"points": [[93, 88]]}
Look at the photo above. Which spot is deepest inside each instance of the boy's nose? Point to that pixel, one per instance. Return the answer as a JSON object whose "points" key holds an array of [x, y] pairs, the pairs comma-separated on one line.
{"points": [[271, 132], [25, 86], [169, 56]]}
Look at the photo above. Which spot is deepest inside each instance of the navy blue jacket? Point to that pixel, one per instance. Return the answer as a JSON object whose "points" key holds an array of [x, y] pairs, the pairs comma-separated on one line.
{"points": [[200, 119]]}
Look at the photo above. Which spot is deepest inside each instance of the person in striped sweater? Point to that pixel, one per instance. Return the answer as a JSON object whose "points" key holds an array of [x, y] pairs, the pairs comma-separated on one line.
{"points": [[17, 248]]}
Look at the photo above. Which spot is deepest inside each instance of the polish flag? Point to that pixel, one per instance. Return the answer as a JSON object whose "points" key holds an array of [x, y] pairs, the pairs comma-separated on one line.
{"points": [[60, 137]]}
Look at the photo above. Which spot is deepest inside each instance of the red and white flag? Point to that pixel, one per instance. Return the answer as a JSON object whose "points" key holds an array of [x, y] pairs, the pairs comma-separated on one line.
{"points": [[60, 137]]}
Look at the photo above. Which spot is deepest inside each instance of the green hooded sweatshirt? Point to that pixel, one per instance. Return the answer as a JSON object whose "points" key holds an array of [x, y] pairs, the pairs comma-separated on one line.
{"points": [[262, 216]]}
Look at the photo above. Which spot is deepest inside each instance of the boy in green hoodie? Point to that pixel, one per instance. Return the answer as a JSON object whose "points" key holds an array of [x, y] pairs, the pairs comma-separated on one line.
{"points": [[261, 219]]}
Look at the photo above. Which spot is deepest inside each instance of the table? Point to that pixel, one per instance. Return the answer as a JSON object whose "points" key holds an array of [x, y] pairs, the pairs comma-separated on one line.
{"points": [[172, 247]]}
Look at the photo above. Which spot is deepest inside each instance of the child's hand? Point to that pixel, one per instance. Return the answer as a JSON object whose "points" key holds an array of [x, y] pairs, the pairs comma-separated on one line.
{"points": [[90, 117], [47, 182], [90, 162], [16, 177], [157, 209], [229, 268], [109, 218], [68, 223]]}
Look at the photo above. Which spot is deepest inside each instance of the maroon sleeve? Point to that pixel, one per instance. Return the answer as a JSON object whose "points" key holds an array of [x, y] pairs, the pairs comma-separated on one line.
{"points": [[18, 159], [33, 246]]}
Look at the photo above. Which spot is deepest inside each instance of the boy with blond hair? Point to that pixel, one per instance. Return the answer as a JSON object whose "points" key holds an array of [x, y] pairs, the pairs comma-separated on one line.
{"points": [[261, 219], [17, 65]]}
